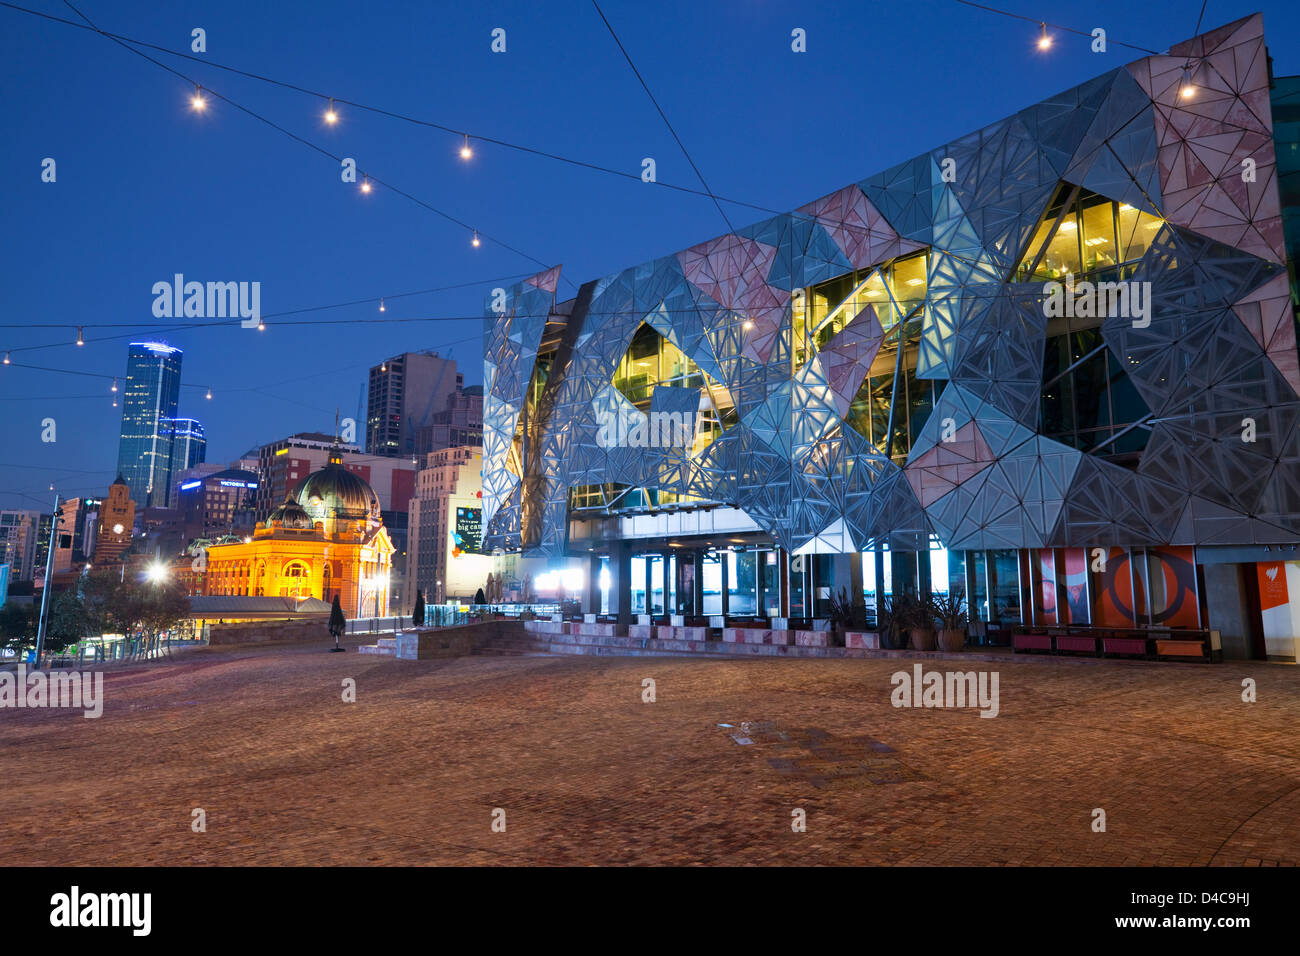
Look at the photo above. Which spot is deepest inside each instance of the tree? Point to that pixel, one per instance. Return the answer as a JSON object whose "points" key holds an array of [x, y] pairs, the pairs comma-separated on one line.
{"points": [[17, 625], [417, 615], [68, 623], [162, 607], [110, 603]]}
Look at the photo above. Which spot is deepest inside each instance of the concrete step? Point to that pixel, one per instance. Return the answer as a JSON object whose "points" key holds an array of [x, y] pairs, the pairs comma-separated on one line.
{"points": [[379, 650]]}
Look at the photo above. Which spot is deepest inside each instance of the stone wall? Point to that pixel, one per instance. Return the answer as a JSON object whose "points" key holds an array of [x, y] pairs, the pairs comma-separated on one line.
{"points": [[269, 632], [428, 643]]}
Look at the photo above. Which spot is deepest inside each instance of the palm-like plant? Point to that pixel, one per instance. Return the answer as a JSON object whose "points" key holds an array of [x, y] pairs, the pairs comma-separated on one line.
{"points": [[950, 609]]}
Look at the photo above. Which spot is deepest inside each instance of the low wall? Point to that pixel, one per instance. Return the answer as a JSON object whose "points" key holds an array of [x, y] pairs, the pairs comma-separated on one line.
{"points": [[268, 632], [429, 643]]}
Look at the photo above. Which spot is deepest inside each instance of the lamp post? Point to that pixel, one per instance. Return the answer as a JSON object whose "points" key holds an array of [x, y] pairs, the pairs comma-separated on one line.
{"points": [[49, 583]]}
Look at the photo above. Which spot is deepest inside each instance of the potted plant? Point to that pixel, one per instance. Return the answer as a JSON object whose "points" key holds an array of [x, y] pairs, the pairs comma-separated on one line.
{"points": [[845, 616], [918, 618], [889, 622], [950, 611]]}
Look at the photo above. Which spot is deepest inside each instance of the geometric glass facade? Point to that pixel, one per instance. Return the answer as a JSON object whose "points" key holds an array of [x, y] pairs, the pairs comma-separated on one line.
{"points": [[149, 399], [1069, 330]]}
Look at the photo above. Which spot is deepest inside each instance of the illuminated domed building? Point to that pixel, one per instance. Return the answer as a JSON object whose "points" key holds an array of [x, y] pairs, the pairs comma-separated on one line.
{"points": [[327, 538]]}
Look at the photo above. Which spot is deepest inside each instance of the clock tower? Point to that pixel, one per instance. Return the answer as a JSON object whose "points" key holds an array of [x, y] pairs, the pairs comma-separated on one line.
{"points": [[116, 517]]}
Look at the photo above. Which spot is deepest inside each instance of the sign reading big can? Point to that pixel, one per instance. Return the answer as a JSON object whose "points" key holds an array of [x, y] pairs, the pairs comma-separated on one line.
{"points": [[469, 531], [210, 300]]}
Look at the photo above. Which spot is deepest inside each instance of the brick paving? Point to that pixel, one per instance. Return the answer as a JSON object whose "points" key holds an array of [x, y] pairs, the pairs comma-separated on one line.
{"points": [[588, 774]]}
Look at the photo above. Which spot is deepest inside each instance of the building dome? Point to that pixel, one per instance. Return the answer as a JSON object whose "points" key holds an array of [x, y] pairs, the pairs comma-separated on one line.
{"points": [[292, 516], [336, 493]]}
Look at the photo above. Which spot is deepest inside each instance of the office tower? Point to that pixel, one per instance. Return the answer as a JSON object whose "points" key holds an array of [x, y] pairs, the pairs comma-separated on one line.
{"points": [[406, 393], [188, 448], [150, 395]]}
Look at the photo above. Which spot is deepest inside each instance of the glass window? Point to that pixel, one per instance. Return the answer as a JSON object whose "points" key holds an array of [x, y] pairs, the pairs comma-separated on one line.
{"points": [[1137, 231], [909, 282], [711, 582], [741, 580], [1098, 236], [1063, 251]]}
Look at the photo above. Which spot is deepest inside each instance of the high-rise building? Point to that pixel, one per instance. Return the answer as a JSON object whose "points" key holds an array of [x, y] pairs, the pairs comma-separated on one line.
{"points": [[188, 448], [217, 504], [18, 528], [407, 391], [150, 396], [444, 529], [457, 425]]}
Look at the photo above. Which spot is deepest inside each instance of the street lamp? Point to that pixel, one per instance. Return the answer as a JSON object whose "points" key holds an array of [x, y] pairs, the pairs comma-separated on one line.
{"points": [[157, 572]]}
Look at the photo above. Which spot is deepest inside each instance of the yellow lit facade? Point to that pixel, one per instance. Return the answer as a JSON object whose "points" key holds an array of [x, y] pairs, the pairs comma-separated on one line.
{"points": [[330, 540]]}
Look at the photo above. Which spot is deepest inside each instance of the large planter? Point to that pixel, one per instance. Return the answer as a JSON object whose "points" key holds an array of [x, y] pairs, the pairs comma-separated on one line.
{"points": [[952, 638], [922, 638]]}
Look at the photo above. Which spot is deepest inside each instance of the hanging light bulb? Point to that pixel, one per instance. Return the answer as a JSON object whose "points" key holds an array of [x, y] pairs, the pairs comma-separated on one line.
{"points": [[114, 388], [6, 358], [197, 102], [115, 401], [381, 304], [383, 366], [261, 326], [365, 184], [476, 242], [209, 395], [465, 151], [80, 340], [1044, 41], [330, 116], [1186, 88]]}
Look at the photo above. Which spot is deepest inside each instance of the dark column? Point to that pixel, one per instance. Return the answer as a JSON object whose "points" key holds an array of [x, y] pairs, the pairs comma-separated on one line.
{"points": [[666, 567], [725, 566], [855, 576], [697, 588], [620, 571], [783, 566], [593, 585]]}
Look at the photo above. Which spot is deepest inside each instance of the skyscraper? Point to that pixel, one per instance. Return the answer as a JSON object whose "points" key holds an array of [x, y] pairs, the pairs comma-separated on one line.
{"points": [[151, 393], [406, 392], [188, 448]]}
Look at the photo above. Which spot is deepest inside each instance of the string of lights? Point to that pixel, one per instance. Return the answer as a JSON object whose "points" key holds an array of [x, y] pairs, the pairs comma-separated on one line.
{"points": [[1044, 41], [199, 104], [332, 116]]}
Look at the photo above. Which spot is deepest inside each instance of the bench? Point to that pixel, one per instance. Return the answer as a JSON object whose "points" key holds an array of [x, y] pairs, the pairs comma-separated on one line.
{"points": [[1076, 643], [1031, 642]]}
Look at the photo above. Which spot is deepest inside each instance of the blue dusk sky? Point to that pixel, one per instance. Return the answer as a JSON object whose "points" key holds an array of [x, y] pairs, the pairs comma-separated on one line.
{"points": [[145, 188]]}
